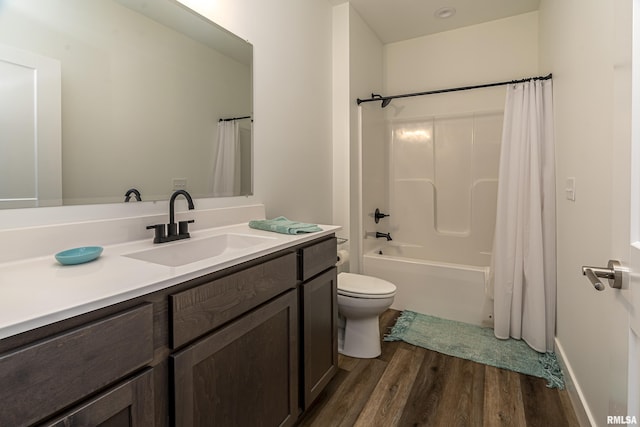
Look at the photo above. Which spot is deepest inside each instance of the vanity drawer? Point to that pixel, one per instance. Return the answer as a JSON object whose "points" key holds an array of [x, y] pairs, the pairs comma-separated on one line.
{"points": [[197, 311], [40, 379], [317, 258]]}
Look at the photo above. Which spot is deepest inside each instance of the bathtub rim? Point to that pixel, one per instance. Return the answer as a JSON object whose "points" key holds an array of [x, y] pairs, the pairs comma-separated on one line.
{"points": [[374, 253]]}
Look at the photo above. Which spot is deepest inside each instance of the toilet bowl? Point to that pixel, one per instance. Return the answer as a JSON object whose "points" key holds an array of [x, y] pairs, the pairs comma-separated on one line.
{"points": [[361, 299]]}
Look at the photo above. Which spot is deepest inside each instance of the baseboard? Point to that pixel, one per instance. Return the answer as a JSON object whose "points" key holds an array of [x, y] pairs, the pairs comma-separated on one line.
{"points": [[584, 415]]}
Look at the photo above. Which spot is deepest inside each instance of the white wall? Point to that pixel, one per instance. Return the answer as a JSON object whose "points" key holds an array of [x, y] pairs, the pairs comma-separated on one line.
{"points": [[292, 108], [495, 51], [357, 71], [341, 120], [366, 76], [374, 153], [577, 44]]}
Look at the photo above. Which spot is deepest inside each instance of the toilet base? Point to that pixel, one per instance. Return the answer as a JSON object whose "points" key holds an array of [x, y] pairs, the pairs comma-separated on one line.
{"points": [[361, 299], [361, 338]]}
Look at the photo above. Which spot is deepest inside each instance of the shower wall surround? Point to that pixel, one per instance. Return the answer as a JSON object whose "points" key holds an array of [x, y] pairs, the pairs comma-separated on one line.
{"points": [[443, 185]]}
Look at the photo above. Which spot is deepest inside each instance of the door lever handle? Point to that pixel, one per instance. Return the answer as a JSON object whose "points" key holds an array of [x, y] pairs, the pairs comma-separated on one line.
{"points": [[593, 278], [613, 272]]}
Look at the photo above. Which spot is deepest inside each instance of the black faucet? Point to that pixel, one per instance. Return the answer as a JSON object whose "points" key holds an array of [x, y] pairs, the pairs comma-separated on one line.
{"points": [[385, 235], [135, 192], [173, 231]]}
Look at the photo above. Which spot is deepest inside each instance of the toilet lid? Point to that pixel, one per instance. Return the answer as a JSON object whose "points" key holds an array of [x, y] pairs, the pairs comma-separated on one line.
{"points": [[358, 284]]}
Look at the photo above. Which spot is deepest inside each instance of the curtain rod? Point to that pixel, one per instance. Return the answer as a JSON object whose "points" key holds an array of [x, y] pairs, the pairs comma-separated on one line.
{"points": [[387, 99], [234, 118]]}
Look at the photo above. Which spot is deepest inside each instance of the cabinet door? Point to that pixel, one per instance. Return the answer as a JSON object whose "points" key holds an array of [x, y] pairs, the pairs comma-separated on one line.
{"points": [[73, 365], [316, 258], [320, 333], [244, 374], [201, 309], [129, 404]]}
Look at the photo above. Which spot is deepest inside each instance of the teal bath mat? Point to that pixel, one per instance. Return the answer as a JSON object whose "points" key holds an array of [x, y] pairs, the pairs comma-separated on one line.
{"points": [[475, 343]]}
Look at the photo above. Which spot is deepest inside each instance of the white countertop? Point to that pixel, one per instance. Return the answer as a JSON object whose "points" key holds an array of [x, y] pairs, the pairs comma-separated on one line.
{"points": [[39, 291]]}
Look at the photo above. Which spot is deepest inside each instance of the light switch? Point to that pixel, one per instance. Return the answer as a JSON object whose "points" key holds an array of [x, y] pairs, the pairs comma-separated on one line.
{"points": [[570, 189]]}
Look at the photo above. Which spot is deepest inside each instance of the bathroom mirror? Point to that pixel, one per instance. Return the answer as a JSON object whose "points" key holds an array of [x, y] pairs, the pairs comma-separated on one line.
{"points": [[141, 88]]}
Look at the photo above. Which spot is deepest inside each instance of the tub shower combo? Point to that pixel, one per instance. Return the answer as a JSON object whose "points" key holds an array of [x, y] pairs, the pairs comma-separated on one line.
{"points": [[439, 180]]}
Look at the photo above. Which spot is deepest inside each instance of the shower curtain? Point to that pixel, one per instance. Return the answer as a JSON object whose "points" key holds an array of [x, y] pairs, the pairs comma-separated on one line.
{"points": [[523, 259], [226, 169]]}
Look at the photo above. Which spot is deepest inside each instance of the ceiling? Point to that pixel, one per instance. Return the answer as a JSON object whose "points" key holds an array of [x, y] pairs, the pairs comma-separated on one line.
{"points": [[396, 20]]}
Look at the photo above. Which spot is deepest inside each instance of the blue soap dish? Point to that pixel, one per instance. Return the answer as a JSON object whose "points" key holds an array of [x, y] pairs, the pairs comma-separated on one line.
{"points": [[79, 255]]}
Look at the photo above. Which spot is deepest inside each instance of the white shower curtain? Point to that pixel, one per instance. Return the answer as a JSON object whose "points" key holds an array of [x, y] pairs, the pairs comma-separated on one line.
{"points": [[226, 169], [524, 252]]}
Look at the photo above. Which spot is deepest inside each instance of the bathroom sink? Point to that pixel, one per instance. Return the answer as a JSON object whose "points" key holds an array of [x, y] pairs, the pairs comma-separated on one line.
{"points": [[188, 251]]}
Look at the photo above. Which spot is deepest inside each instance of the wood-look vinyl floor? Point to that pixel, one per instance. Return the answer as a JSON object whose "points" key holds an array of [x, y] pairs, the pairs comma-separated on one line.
{"points": [[411, 386]]}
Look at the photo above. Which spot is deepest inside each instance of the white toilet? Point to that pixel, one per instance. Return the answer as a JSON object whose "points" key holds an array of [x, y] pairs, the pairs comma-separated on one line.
{"points": [[361, 299]]}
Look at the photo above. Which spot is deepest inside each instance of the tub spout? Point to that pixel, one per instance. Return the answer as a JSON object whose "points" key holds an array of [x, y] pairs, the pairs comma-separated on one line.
{"points": [[385, 235]]}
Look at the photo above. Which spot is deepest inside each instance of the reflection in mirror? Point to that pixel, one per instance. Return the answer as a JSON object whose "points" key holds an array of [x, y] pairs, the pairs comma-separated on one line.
{"points": [[29, 129], [142, 88]]}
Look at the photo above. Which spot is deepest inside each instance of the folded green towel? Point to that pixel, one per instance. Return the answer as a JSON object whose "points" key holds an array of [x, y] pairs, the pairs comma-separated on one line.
{"points": [[283, 225]]}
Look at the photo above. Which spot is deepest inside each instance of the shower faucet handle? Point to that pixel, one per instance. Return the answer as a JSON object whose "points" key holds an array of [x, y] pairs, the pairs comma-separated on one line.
{"points": [[377, 215]]}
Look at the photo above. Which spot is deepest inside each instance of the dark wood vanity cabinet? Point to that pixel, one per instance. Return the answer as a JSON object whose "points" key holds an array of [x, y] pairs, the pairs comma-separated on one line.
{"points": [[244, 371], [253, 344], [244, 374], [129, 404], [318, 318], [201, 309], [273, 361], [45, 377], [319, 337]]}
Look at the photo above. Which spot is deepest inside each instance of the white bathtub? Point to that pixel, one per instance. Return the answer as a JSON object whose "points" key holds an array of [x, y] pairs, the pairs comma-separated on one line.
{"points": [[450, 291]]}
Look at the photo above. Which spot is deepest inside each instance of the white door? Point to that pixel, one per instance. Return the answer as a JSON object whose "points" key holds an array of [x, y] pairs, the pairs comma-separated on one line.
{"points": [[630, 296], [30, 129], [623, 320]]}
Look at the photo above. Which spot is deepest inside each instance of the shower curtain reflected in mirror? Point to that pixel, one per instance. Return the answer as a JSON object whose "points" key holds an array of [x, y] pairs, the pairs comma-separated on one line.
{"points": [[226, 172], [523, 259]]}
